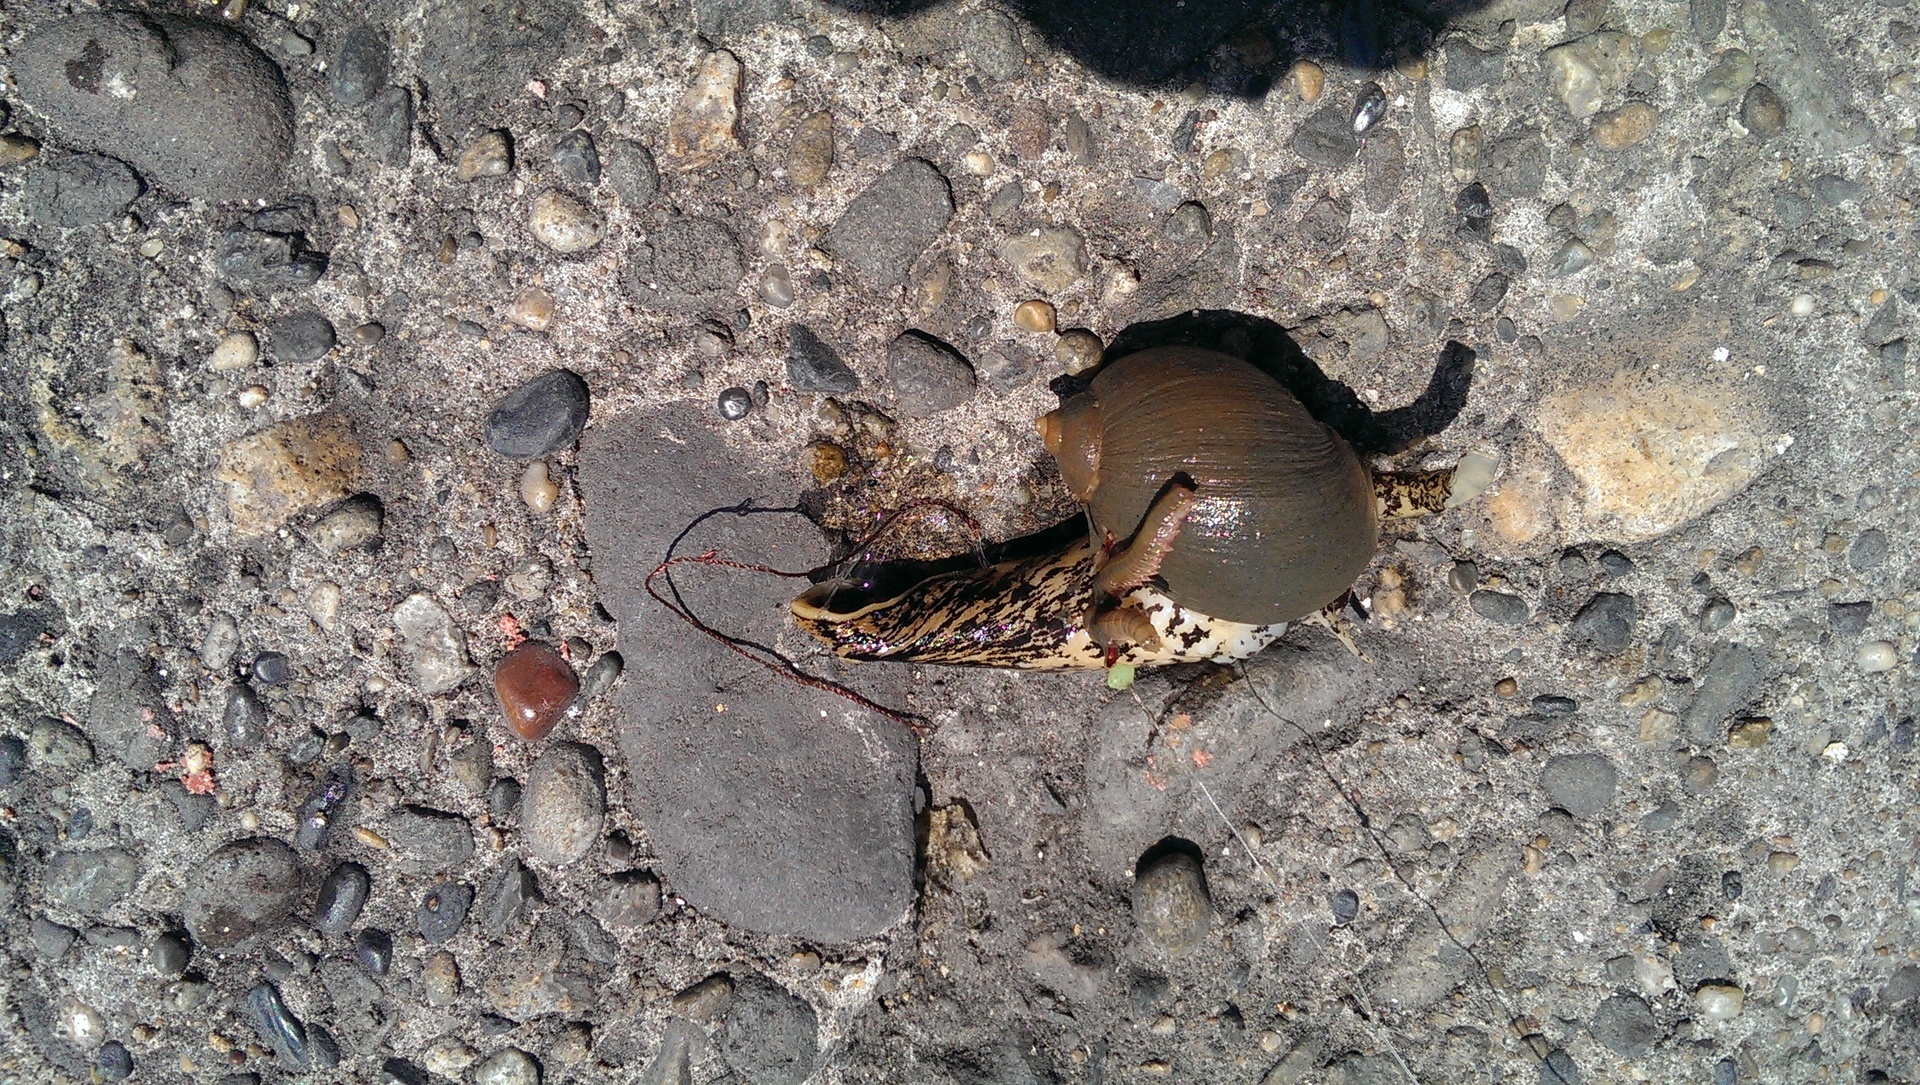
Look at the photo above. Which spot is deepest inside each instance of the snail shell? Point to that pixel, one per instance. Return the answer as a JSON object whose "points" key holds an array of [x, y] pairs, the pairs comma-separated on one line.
{"points": [[1285, 517]]}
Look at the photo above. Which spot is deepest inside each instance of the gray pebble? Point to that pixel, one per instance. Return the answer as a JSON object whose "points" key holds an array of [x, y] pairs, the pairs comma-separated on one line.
{"points": [[1548, 704], [1869, 551], [59, 745], [1190, 224], [1171, 908], [503, 799], [1468, 67], [734, 404], [13, 759], [342, 894], [1707, 18], [244, 723], [1604, 625], [887, 226], [113, 1062], [1582, 784], [280, 1028], [49, 939], [629, 900], [1726, 686], [1904, 984], [373, 948], [769, 1035], [564, 805], [73, 190], [1558, 1068], [271, 669], [20, 633], [170, 954], [193, 106], [506, 898], [813, 366], [389, 127], [1488, 292], [1718, 614], [1325, 222], [1499, 607], [350, 525], [267, 261], [360, 67], [631, 171], [689, 264], [602, 675], [442, 910], [90, 882], [509, 1067], [1762, 111], [1346, 906], [437, 841], [320, 812], [928, 376], [991, 39], [1326, 139], [301, 337], [241, 891], [1850, 619], [576, 158], [541, 417]]}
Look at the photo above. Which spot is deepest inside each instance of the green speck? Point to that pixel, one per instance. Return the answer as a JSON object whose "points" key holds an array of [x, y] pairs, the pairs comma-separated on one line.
{"points": [[1120, 676]]}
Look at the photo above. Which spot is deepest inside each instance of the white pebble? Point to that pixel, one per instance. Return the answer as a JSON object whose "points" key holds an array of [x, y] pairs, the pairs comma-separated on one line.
{"points": [[1875, 656], [253, 395], [237, 351], [537, 487], [1471, 477], [979, 163], [1803, 305], [1719, 1002], [152, 247]]}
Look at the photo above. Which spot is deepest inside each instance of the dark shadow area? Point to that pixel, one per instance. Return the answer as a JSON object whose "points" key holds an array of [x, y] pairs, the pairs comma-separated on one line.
{"points": [[1239, 46], [1267, 345]]}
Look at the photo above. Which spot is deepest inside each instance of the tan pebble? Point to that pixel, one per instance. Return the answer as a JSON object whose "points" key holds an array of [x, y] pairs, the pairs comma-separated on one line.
{"points": [[532, 309], [15, 149], [152, 247], [1686, 280], [398, 452], [1222, 162], [1308, 80], [1034, 316], [979, 163], [1878, 297], [537, 487], [1656, 40], [564, 224], [1750, 734], [1565, 307], [704, 123], [1645, 691], [1079, 350], [294, 466], [1658, 726], [810, 151], [349, 218], [370, 838], [1618, 129], [253, 395], [237, 350], [489, 156], [249, 821], [827, 461], [1507, 687]]}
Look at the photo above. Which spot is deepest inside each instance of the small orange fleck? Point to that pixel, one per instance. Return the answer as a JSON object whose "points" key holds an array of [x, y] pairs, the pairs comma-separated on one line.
{"points": [[510, 629], [1182, 720], [1201, 758], [199, 783]]}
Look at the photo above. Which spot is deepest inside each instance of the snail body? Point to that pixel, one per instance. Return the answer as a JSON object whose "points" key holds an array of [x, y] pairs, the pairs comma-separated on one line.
{"points": [[1218, 511]]}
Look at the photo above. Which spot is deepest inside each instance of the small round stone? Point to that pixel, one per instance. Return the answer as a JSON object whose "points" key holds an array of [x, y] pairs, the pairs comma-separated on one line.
{"points": [[1034, 316], [1078, 350], [369, 333], [1499, 607], [1720, 1002], [1581, 784], [237, 350], [564, 224], [735, 403], [440, 976], [1718, 614], [489, 156], [301, 337], [170, 954], [509, 1067], [374, 949], [1621, 128], [1171, 907], [540, 417], [537, 487], [1875, 656], [113, 1062], [342, 894], [1346, 905], [442, 911], [271, 669], [1803, 305], [1762, 112], [564, 804], [776, 288], [536, 687]]}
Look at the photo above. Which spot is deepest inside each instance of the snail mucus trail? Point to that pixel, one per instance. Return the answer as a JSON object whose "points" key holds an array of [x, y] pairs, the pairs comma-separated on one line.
{"points": [[1218, 510]]}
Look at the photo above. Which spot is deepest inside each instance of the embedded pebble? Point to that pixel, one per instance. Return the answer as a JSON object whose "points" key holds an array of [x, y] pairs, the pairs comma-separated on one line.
{"points": [[928, 376], [90, 882], [243, 724], [292, 467], [491, 155], [170, 954], [1171, 907], [389, 127], [625, 901], [279, 1027], [1050, 260], [360, 66], [689, 264], [536, 688], [564, 224], [769, 1035], [577, 158], [1720, 1002], [1499, 607], [442, 910], [1308, 80], [243, 890], [537, 488], [113, 1062], [631, 171], [236, 350], [602, 675], [776, 287], [734, 404], [564, 803], [810, 151], [543, 416], [892, 222], [813, 366], [1875, 657], [342, 894], [1078, 350], [320, 811], [436, 647], [506, 898], [1604, 624], [1581, 784], [1034, 316], [1762, 112], [702, 126], [374, 950], [1346, 906], [355, 523], [435, 841], [1585, 71], [1869, 551], [1732, 73], [532, 309], [440, 975], [1718, 614], [301, 337], [509, 1067], [15, 149], [1618, 129]]}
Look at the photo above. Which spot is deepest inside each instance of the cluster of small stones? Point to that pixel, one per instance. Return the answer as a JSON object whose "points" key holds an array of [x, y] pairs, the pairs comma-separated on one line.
{"points": [[305, 749]]}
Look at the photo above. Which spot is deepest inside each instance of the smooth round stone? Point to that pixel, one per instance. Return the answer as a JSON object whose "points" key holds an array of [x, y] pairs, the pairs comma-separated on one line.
{"points": [[1499, 607], [536, 687], [341, 896], [1762, 112], [735, 404], [1078, 350], [564, 224], [243, 890], [1720, 1002], [1346, 905], [442, 911], [540, 417], [602, 675], [369, 333], [509, 1067], [489, 156], [1718, 614], [236, 350], [1582, 784], [170, 954], [1171, 907], [272, 669], [564, 806], [928, 376], [374, 949], [113, 1062], [1803, 305], [776, 288], [1875, 656], [440, 977], [301, 337], [1034, 316]]}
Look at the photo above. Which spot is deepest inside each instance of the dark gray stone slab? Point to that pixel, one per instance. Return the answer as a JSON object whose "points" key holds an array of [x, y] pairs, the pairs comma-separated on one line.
{"points": [[771, 805]]}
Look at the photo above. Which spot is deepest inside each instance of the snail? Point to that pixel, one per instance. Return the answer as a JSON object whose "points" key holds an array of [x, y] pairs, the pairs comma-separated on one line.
{"points": [[1218, 511]]}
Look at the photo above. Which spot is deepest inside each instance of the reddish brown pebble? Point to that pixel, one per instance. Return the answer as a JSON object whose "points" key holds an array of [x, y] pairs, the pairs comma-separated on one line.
{"points": [[536, 686]]}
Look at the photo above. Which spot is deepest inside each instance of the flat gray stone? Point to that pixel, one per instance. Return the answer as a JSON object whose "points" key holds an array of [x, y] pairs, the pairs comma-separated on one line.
{"points": [[790, 812], [892, 222], [192, 105]]}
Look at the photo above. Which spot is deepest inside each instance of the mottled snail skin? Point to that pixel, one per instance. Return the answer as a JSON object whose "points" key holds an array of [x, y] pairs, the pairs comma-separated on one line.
{"points": [[1285, 517], [1029, 614]]}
